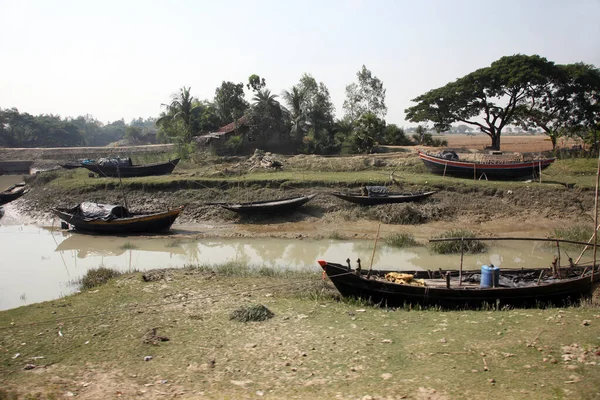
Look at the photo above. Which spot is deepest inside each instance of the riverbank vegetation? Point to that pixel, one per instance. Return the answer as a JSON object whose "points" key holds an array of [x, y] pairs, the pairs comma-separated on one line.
{"points": [[515, 93], [106, 340]]}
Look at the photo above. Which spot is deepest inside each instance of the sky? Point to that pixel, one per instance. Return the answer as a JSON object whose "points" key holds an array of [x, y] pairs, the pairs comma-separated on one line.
{"points": [[123, 59]]}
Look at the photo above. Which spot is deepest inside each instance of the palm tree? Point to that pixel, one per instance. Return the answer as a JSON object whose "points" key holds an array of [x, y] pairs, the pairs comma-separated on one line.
{"points": [[265, 98], [294, 99], [181, 108]]}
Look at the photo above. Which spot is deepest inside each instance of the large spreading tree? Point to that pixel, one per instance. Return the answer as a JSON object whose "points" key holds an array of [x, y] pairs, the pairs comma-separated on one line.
{"points": [[488, 98]]}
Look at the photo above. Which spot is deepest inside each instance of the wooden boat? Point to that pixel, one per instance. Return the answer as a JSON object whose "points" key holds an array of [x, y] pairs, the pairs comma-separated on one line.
{"points": [[13, 193], [115, 219], [491, 170], [267, 206], [127, 171], [458, 288], [517, 287], [388, 198]]}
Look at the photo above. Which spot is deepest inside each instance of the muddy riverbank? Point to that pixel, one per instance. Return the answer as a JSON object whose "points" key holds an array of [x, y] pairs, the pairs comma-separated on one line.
{"points": [[525, 207]]}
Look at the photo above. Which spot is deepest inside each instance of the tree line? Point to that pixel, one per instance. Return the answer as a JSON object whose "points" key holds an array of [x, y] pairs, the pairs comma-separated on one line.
{"points": [[519, 91], [25, 130]]}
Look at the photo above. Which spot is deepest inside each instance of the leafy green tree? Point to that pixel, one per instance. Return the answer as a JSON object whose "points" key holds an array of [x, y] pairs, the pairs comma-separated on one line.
{"points": [[294, 99], [256, 83], [487, 98], [395, 136], [366, 96], [368, 132], [229, 102], [133, 133], [265, 118], [177, 118]]}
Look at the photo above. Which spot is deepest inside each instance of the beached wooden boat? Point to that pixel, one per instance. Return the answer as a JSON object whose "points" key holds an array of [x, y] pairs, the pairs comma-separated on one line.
{"points": [[267, 206], [13, 193], [500, 170], [387, 198], [115, 219], [528, 287], [124, 170]]}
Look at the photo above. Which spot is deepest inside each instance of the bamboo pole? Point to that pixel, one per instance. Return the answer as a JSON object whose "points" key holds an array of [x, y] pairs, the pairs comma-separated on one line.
{"points": [[587, 245], [596, 218], [508, 238], [374, 247], [462, 253]]}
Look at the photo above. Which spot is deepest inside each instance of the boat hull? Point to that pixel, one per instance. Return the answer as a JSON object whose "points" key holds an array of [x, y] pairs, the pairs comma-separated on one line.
{"points": [[382, 292], [269, 206], [114, 171], [504, 171], [12, 193], [147, 223], [389, 199]]}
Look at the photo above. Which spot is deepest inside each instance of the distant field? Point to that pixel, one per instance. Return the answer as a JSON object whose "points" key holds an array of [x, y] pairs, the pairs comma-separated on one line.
{"points": [[522, 144]]}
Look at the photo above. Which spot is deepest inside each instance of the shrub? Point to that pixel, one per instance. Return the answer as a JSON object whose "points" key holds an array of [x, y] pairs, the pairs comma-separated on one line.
{"points": [[471, 246], [98, 276], [255, 312], [400, 240]]}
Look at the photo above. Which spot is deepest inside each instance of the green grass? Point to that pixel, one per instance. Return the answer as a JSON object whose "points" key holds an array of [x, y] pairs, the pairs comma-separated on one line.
{"points": [[319, 346], [400, 240], [128, 246], [454, 246]]}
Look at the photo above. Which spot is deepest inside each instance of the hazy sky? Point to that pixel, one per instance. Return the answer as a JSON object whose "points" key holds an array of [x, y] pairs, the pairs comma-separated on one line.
{"points": [[123, 59]]}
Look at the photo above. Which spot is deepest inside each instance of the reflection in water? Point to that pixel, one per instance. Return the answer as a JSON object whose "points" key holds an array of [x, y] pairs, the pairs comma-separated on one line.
{"points": [[38, 264]]}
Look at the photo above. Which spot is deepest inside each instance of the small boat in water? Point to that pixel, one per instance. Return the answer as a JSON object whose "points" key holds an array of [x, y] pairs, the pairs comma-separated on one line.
{"points": [[267, 206], [124, 168], [13, 193], [115, 219], [372, 195], [448, 163]]}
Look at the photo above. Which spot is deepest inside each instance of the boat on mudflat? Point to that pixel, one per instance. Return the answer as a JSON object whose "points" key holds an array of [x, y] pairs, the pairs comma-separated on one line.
{"points": [[368, 196], [455, 288], [516, 287], [448, 163], [13, 193], [116, 219], [124, 168], [267, 206]]}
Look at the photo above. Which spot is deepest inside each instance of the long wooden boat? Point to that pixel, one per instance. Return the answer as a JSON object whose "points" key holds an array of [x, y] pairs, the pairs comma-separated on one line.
{"points": [[528, 287], [128, 171], [490, 170], [114, 219], [13, 193], [267, 206], [389, 198]]}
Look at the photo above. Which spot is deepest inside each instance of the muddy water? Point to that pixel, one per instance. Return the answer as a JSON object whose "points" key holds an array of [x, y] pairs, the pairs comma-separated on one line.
{"points": [[7, 181], [38, 264]]}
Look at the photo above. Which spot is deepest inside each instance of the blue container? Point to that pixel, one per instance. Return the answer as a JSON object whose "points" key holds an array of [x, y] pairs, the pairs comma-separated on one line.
{"points": [[490, 276]]}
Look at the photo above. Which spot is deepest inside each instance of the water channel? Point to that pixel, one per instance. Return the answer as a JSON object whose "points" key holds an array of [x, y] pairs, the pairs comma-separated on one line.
{"points": [[40, 264]]}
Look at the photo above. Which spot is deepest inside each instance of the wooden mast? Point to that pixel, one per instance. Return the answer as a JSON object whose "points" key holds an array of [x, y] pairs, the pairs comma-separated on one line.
{"points": [[596, 218]]}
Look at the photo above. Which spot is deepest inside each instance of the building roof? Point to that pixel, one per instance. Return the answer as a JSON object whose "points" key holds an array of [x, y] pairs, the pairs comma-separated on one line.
{"points": [[233, 126]]}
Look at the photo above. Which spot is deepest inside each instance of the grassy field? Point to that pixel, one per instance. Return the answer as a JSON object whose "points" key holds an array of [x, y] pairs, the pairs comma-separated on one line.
{"points": [[94, 344]]}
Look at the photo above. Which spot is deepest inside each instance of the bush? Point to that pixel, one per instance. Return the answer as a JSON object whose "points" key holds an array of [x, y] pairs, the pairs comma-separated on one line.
{"points": [[256, 312], [97, 277], [400, 240], [471, 246], [233, 145]]}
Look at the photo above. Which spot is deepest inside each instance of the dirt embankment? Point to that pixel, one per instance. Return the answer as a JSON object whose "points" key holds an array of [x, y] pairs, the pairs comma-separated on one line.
{"points": [[524, 208]]}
